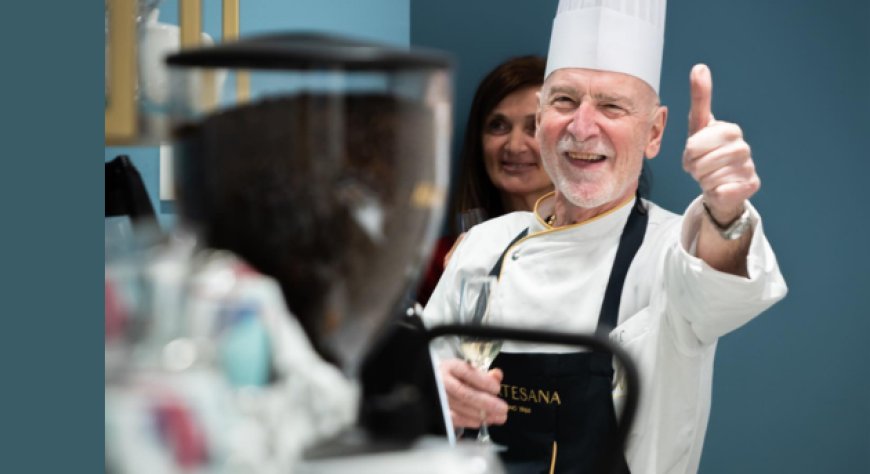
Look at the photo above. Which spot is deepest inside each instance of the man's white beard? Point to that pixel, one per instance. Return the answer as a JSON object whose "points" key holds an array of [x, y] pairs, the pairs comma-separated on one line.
{"points": [[568, 189], [582, 200]]}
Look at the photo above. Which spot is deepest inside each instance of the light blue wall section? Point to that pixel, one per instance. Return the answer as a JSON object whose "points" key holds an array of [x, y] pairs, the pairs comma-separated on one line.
{"points": [[385, 21], [792, 388]]}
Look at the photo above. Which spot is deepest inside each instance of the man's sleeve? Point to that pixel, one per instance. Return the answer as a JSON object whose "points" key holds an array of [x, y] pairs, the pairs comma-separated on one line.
{"points": [[703, 303]]}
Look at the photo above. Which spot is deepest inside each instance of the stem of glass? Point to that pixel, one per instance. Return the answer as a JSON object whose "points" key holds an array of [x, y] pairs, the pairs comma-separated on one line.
{"points": [[483, 432]]}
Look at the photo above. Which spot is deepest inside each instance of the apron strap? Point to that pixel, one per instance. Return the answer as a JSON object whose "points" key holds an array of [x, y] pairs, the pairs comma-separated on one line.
{"points": [[629, 243], [496, 269]]}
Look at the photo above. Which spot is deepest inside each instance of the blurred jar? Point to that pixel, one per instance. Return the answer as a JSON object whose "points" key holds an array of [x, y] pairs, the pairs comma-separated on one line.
{"points": [[321, 161]]}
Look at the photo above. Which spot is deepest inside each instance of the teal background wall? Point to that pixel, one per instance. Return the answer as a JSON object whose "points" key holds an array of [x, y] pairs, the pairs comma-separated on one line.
{"points": [[792, 388], [386, 21]]}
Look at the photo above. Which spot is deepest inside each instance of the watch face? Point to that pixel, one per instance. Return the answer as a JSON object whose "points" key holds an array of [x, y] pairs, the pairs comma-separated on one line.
{"points": [[736, 230]]}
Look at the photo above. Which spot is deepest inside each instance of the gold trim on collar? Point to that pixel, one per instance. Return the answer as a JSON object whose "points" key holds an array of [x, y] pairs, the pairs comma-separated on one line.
{"points": [[543, 221], [538, 204], [549, 229]]}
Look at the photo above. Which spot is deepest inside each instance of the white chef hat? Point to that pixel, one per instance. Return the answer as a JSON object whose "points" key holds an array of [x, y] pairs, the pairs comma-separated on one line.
{"points": [[624, 36]]}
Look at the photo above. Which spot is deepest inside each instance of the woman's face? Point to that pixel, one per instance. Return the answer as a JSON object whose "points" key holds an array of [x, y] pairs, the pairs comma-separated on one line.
{"points": [[510, 152]]}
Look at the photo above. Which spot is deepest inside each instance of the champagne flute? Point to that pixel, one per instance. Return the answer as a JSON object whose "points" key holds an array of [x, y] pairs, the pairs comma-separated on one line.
{"points": [[475, 309]]}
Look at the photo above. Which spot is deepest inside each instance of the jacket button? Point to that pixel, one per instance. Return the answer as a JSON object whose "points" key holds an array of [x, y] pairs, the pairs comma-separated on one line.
{"points": [[515, 255]]}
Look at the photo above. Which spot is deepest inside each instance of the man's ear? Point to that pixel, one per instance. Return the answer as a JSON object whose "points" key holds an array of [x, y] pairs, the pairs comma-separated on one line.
{"points": [[656, 132]]}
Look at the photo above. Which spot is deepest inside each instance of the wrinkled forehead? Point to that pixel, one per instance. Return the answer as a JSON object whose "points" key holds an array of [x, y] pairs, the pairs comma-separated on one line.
{"points": [[598, 82]]}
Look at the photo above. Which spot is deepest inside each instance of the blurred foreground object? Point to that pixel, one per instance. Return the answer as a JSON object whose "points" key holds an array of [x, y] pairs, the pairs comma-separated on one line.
{"points": [[331, 179], [305, 214], [205, 368]]}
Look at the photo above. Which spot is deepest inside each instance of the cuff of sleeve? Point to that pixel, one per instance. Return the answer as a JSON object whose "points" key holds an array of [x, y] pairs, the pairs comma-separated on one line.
{"points": [[717, 302], [695, 213]]}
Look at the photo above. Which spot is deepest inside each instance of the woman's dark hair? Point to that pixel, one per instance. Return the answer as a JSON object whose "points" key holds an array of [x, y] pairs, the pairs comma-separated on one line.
{"points": [[474, 188]]}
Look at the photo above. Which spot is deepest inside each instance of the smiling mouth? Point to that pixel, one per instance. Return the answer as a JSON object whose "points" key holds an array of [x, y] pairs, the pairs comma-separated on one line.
{"points": [[516, 166], [585, 157]]}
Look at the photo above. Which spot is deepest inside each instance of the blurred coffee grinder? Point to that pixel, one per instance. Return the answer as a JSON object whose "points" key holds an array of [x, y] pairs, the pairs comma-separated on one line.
{"points": [[314, 198]]}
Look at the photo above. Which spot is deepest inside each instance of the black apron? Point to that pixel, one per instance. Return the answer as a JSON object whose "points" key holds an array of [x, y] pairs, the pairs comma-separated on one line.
{"points": [[561, 416]]}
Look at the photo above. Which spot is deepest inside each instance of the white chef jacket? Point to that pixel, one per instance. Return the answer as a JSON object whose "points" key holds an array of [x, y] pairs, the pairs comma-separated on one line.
{"points": [[674, 307]]}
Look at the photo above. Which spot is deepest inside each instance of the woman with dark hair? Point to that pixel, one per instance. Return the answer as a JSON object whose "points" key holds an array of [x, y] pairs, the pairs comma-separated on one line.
{"points": [[500, 167]]}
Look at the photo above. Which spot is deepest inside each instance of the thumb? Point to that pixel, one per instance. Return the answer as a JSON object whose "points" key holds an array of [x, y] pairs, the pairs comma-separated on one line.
{"points": [[701, 85]]}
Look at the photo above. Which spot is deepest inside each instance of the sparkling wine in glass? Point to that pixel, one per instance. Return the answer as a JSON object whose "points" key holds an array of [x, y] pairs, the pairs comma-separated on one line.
{"points": [[475, 309]]}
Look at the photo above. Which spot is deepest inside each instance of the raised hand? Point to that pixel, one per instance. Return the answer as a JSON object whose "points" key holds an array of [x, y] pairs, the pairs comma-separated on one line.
{"points": [[716, 155]]}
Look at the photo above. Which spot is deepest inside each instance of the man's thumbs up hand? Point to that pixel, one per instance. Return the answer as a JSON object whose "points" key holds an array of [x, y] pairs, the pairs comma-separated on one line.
{"points": [[716, 155]]}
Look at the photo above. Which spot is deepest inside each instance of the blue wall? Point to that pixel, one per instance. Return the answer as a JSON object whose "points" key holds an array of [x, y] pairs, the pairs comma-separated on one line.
{"points": [[386, 21], [791, 389]]}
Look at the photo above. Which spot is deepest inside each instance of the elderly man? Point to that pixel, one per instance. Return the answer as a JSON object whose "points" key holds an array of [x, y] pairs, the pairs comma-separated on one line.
{"points": [[596, 256]]}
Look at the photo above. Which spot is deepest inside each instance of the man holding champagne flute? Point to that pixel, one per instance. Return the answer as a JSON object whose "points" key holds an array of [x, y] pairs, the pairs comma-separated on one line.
{"points": [[595, 256]]}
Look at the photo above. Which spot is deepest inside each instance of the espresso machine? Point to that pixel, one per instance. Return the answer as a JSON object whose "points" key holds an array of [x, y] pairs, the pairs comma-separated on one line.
{"points": [[311, 172]]}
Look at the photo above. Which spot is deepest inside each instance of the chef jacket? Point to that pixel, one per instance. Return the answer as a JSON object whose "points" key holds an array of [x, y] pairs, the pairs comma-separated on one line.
{"points": [[673, 309]]}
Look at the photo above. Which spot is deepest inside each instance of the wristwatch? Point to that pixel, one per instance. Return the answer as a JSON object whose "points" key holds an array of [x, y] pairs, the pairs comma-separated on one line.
{"points": [[735, 229]]}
